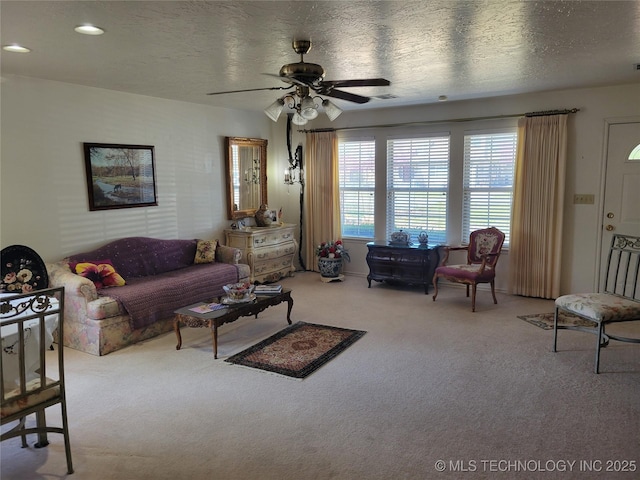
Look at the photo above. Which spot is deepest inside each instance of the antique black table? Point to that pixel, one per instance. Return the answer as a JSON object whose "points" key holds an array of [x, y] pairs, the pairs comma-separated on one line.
{"points": [[408, 264]]}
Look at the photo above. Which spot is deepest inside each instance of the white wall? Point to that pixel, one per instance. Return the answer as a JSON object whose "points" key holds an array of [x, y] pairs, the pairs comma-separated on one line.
{"points": [[584, 169], [44, 202], [43, 196]]}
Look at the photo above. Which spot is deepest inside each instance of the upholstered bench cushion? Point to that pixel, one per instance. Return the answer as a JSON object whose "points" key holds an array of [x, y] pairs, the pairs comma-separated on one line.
{"points": [[600, 307], [22, 402], [467, 272]]}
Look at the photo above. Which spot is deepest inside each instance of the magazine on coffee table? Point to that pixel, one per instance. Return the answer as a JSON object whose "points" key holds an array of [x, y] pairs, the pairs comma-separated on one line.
{"points": [[207, 307], [262, 289]]}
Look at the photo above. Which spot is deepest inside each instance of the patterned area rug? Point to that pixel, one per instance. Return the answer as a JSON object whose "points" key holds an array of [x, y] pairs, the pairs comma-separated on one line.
{"points": [[298, 350], [545, 320]]}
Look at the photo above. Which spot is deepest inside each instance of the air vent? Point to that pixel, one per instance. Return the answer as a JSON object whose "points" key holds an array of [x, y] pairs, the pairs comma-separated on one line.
{"points": [[636, 66], [386, 96]]}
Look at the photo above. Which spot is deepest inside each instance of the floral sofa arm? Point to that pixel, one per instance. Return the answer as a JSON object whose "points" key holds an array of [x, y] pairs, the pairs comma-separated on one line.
{"points": [[229, 255], [81, 298], [61, 276], [82, 301]]}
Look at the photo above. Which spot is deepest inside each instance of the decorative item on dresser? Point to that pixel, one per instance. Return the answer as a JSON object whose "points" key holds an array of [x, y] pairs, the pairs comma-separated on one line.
{"points": [[269, 251], [402, 263]]}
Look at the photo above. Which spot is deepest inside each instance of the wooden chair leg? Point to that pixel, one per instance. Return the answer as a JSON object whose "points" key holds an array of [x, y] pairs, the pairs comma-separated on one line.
{"points": [[435, 287], [555, 330], [493, 292], [473, 296]]}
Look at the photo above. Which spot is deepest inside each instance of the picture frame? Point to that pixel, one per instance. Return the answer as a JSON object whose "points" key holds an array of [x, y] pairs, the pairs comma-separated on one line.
{"points": [[120, 176]]}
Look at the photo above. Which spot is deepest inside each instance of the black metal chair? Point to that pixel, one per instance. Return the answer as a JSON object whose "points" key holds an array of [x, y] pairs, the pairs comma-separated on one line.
{"points": [[620, 301], [31, 375]]}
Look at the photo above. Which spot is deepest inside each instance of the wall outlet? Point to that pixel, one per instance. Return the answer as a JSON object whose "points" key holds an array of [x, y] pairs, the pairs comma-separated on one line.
{"points": [[584, 199]]}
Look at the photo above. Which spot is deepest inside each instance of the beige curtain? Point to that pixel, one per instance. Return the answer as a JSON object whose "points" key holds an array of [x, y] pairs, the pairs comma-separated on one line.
{"points": [[536, 223], [322, 199]]}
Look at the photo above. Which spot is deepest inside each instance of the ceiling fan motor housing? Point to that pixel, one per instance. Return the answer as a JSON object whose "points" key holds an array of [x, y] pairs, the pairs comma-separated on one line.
{"points": [[303, 72]]}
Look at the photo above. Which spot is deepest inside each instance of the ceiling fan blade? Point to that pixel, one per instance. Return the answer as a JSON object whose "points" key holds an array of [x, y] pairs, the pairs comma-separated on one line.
{"points": [[365, 82], [249, 90], [290, 80], [351, 97]]}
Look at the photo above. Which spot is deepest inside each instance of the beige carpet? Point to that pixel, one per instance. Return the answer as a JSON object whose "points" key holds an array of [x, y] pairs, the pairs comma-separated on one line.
{"points": [[429, 381]]}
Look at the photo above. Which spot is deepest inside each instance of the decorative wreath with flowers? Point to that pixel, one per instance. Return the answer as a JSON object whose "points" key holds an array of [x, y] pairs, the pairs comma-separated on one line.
{"points": [[332, 250]]}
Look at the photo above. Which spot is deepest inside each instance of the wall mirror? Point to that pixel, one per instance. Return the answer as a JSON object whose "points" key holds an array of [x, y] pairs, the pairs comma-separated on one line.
{"points": [[246, 176]]}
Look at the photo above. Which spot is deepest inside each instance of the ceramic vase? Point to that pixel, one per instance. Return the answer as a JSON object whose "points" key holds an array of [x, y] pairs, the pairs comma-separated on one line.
{"points": [[329, 267]]}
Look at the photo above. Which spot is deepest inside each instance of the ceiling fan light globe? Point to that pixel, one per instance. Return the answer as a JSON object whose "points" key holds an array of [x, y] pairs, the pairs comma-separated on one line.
{"points": [[308, 108], [298, 119], [274, 110], [309, 113], [331, 109]]}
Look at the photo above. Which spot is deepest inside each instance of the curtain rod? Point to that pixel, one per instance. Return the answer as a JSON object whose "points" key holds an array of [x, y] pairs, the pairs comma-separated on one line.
{"points": [[452, 120]]}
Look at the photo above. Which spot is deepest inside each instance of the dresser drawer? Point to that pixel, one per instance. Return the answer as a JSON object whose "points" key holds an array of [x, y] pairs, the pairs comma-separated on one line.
{"points": [[273, 265], [273, 252], [272, 238]]}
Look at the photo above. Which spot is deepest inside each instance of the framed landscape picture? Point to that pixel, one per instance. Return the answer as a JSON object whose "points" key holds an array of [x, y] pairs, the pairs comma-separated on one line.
{"points": [[120, 176]]}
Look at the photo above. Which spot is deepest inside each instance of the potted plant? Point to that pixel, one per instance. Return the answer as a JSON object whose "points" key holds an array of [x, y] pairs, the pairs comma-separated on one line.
{"points": [[330, 258]]}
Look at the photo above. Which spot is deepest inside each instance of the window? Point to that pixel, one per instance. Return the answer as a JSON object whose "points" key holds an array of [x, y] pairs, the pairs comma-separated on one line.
{"points": [[357, 187], [417, 186], [489, 160]]}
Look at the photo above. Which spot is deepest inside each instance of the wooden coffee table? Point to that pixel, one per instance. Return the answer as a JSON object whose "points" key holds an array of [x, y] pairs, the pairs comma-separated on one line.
{"points": [[229, 314]]}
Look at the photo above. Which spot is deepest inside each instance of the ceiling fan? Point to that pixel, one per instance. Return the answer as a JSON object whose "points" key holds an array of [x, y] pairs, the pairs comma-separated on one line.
{"points": [[306, 77]]}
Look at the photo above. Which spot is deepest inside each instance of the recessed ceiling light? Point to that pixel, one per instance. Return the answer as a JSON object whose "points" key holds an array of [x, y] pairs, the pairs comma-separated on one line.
{"points": [[89, 30], [16, 48], [443, 98]]}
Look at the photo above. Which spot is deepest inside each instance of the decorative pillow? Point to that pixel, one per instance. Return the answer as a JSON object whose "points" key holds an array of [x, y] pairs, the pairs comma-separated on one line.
{"points": [[206, 251], [100, 272]]}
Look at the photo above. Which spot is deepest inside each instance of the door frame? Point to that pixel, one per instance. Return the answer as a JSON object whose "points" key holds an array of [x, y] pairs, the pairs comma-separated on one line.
{"points": [[608, 122]]}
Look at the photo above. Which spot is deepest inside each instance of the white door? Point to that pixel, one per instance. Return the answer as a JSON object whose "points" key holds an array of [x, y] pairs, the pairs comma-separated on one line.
{"points": [[621, 212]]}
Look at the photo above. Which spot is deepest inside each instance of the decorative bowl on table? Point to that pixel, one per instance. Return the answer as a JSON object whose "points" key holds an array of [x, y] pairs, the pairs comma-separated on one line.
{"points": [[238, 291], [399, 238]]}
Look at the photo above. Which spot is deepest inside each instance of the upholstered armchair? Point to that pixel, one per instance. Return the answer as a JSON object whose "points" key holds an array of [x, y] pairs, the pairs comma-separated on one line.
{"points": [[483, 252]]}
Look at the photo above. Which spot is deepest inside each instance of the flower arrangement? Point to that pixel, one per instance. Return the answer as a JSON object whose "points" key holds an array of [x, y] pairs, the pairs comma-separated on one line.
{"points": [[332, 250]]}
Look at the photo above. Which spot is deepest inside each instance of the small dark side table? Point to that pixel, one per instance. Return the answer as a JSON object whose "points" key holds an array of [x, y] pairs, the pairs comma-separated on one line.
{"points": [[408, 264]]}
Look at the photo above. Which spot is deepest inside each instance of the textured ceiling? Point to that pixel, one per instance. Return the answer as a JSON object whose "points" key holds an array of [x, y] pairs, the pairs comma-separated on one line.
{"points": [[462, 49]]}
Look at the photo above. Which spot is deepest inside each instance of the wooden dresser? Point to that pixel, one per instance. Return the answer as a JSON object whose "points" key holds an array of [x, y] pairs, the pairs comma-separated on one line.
{"points": [[411, 264], [269, 251]]}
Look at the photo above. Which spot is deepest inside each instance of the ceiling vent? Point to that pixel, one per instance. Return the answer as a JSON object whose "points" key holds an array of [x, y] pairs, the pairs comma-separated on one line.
{"points": [[386, 96]]}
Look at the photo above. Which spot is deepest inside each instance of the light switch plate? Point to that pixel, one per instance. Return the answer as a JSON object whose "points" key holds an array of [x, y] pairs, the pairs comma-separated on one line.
{"points": [[584, 199]]}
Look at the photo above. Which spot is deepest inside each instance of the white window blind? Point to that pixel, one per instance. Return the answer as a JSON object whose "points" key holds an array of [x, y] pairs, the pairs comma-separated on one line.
{"points": [[489, 161], [417, 186], [357, 187]]}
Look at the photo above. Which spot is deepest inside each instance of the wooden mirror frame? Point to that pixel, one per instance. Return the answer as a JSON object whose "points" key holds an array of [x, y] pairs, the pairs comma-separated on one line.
{"points": [[230, 142]]}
